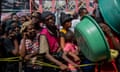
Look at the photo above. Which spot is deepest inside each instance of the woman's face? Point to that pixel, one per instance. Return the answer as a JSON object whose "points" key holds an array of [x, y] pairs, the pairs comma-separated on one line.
{"points": [[105, 28], [31, 31], [50, 20]]}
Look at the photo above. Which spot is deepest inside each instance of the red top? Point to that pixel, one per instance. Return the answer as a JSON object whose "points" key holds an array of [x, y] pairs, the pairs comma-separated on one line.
{"points": [[110, 66]]}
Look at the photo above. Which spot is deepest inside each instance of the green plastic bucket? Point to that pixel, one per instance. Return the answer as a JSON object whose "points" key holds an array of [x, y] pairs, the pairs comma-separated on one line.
{"points": [[110, 10], [91, 40]]}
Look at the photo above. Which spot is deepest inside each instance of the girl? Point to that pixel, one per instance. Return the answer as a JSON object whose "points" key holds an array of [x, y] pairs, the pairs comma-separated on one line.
{"points": [[71, 47]]}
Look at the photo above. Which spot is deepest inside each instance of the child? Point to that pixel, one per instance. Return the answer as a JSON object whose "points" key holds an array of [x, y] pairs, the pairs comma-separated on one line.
{"points": [[70, 47], [65, 20]]}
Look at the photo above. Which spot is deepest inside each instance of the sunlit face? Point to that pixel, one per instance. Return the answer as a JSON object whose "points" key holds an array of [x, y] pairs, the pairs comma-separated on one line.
{"points": [[31, 31]]}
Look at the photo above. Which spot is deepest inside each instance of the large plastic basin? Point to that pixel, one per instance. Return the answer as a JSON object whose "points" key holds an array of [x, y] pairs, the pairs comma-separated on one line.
{"points": [[91, 40]]}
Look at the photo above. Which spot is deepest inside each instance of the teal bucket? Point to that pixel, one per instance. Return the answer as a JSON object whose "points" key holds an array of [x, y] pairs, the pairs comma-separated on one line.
{"points": [[91, 40], [110, 10]]}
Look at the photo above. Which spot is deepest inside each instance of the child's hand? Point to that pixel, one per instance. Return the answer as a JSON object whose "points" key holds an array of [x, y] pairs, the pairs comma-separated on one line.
{"points": [[76, 65], [63, 67], [76, 59]]}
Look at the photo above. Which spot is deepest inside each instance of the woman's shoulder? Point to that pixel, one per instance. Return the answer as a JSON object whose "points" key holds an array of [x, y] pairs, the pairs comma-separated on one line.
{"points": [[44, 31]]}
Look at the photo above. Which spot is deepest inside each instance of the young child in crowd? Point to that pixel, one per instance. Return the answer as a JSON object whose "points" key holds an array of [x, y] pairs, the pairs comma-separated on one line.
{"points": [[71, 47]]}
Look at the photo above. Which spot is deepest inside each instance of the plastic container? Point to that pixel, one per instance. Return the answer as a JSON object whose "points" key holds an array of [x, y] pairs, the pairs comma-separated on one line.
{"points": [[91, 40], [110, 10]]}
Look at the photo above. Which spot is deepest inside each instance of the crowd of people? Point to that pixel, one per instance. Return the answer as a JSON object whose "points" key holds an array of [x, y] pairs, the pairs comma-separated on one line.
{"points": [[35, 37]]}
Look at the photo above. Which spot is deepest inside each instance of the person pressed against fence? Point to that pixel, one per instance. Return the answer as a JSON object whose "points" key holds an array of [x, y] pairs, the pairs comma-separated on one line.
{"points": [[114, 44], [11, 46], [36, 21], [16, 28], [66, 23], [65, 20], [43, 49], [51, 33], [71, 47], [29, 47], [3, 52]]}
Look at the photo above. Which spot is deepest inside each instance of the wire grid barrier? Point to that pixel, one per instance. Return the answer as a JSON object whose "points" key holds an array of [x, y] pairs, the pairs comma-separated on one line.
{"points": [[46, 5]]}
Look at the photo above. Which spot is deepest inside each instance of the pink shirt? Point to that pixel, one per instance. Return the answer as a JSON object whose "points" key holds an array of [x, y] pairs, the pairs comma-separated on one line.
{"points": [[69, 47], [52, 40]]}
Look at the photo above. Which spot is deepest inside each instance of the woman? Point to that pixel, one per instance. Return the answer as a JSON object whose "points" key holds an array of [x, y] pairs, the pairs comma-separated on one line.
{"points": [[51, 33], [29, 47]]}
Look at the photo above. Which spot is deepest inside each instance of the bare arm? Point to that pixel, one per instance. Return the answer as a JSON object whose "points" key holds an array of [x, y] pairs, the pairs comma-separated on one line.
{"points": [[44, 48], [51, 58], [64, 56], [62, 42], [15, 51], [75, 57], [22, 48]]}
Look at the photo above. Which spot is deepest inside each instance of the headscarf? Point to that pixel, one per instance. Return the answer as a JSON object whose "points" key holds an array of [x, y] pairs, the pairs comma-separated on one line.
{"points": [[46, 14]]}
